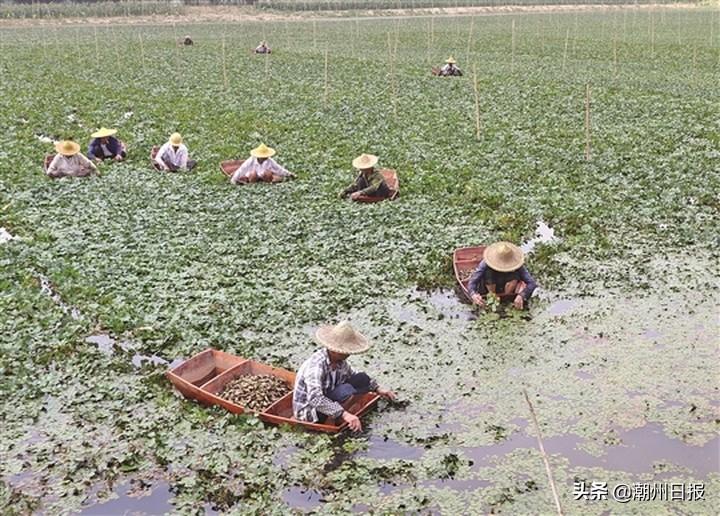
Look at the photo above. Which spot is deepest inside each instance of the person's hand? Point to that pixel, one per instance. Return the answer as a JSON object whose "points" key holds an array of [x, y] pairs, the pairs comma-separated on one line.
{"points": [[478, 299], [388, 395], [353, 421], [519, 302], [355, 195], [118, 158], [97, 160]]}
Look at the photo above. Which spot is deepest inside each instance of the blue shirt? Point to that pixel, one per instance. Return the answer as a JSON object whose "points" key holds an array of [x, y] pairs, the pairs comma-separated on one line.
{"points": [[484, 275], [95, 150]]}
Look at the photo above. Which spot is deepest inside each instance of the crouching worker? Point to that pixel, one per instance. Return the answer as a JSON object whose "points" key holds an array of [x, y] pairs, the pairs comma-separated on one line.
{"points": [[262, 48], [502, 273], [260, 167], [369, 182], [326, 380], [173, 155], [69, 162], [104, 145], [450, 70]]}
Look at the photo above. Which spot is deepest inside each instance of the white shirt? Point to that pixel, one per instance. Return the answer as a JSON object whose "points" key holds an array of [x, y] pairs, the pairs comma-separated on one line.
{"points": [[69, 165], [177, 157], [251, 164]]}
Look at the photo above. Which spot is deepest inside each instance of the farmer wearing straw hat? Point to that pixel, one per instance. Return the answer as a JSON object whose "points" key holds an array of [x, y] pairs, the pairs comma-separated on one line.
{"points": [[104, 145], [187, 41], [369, 181], [450, 70], [69, 162], [260, 167], [173, 155], [262, 48], [325, 380], [502, 272]]}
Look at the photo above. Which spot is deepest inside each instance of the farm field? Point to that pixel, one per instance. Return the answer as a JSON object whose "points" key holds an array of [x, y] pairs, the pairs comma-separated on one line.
{"points": [[107, 281]]}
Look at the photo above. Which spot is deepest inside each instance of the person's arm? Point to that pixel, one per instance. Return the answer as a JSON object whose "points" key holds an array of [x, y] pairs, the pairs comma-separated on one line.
{"points": [[375, 183], [159, 156], [316, 397], [278, 169], [354, 187], [477, 278], [458, 72], [242, 170], [182, 156], [93, 148], [52, 169], [530, 283], [86, 162], [115, 147]]}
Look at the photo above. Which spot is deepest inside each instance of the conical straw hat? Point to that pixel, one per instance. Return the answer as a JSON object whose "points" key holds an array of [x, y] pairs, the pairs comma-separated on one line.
{"points": [[262, 151], [67, 148], [365, 161], [175, 139], [342, 339], [104, 132], [450, 60], [504, 257]]}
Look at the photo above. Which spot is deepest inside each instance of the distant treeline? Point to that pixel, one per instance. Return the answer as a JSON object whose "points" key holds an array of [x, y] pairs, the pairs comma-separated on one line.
{"points": [[103, 8]]}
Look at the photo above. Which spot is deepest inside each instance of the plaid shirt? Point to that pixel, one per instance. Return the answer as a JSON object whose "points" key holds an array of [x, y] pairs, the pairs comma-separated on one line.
{"points": [[366, 185], [315, 379]]}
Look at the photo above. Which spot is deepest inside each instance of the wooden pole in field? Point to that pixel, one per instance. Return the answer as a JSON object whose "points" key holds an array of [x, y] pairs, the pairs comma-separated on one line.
{"points": [[567, 37], [432, 30], [548, 471], [225, 76], [325, 91], [97, 47], [615, 57], [115, 46], [587, 122], [470, 37], [314, 34], [512, 43], [652, 34], [142, 49], [476, 90]]}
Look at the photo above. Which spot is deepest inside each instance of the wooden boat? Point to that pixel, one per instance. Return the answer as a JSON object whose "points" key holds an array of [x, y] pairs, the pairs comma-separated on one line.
{"points": [[153, 154], [204, 376], [435, 71], [465, 261], [46, 162], [229, 167], [393, 183]]}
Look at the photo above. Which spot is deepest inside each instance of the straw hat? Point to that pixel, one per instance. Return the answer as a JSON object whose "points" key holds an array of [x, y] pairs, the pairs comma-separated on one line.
{"points": [[262, 151], [450, 60], [342, 339], [365, 161], [104, 132], [504, 257], [175, 139], [67, 148]]}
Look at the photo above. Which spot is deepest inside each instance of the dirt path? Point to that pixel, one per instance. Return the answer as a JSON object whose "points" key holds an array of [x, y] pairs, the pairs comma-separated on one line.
{"points": [[236, 14]]}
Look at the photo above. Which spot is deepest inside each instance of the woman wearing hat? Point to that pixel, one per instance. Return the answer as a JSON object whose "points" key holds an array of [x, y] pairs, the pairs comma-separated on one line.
{"points": [[450, 70], [104, 145], [369, 181], [68, 162], [173, 155], [260, 167], [325, 380], [262, 48], [502, 272]]}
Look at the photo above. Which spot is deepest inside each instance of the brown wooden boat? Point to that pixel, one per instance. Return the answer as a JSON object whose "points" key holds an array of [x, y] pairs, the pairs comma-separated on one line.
{"points": [[46, 162], [153, 154], [393, 183], [465, 261], [435, 71], [204, 376], [229, 166]]}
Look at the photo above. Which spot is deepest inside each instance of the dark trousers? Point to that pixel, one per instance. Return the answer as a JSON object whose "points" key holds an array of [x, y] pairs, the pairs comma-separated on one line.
{"points": [[190, 164], [359, 383], [383, 191]]}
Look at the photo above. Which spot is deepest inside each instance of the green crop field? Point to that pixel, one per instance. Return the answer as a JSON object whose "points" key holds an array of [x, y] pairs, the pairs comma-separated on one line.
{"points": [[618, 351]]}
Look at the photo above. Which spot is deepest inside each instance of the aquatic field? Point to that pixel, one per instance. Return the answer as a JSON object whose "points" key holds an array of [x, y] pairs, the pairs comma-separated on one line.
{"points": [[105, 282]]}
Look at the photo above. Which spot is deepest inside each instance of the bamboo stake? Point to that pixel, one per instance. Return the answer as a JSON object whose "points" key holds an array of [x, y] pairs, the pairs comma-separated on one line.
{"points": [[512, 39], [432, 30], [115, 46], [556, 498], [652, 35], [142, 49], [97, 46], [325, 94], [587, 122], [477, 103], [225, 76], [470, 37], [567, 37], [615, 59], [314, 34]]}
